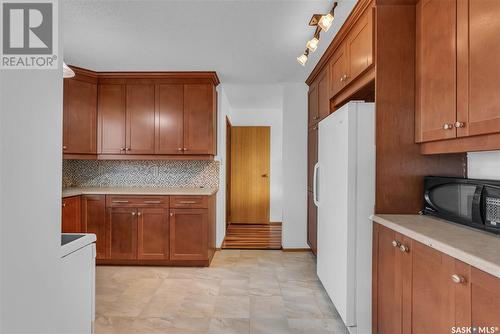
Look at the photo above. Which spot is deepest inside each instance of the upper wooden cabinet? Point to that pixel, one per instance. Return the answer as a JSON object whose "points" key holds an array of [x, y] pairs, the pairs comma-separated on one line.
{"points": [[457, 105], [141, 114], [338, 71], [312, 98], [359, 46], [80, 114]]}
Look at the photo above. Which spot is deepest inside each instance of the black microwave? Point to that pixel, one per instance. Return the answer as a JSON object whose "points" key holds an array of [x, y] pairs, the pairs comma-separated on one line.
{"points": [[475, 203]]}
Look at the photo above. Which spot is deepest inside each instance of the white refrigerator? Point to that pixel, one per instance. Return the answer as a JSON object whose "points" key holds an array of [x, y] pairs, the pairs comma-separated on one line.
{"points": [[344, 192]]}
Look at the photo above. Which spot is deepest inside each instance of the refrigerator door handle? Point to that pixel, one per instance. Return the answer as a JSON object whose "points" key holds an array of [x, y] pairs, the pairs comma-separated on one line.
{"points": [[315, 184]]}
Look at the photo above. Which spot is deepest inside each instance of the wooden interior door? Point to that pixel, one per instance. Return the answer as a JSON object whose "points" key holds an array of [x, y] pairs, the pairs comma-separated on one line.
{"points": [[188, 234], [170, 104], [152, 234], [80, 117], [94, 221], [122, 233], [199, 120], [140, 111], [71, 215], [229, 126], [436, 70], [112, 119], [484, 48], [250, 179]]}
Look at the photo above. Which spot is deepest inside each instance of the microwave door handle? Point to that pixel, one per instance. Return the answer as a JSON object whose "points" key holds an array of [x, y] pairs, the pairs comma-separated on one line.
{"points": [[477, 207], [315, 184]]}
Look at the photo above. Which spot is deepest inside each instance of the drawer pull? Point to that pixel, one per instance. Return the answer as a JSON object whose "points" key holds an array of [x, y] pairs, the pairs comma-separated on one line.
{"points": [[152, 202], [187, 202], [457, 279], [119, 201], [395, 243], [404, 249]]}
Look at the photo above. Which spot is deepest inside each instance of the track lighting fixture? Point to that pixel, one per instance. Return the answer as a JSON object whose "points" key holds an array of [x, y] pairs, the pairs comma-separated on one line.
{"points": [[322, 22]]}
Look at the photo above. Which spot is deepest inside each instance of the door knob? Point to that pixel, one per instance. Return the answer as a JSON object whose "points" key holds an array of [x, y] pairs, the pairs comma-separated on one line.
{"points": [[404, 249], [138, 213], [459, 124], [457, 279], [264, 175], [447, 126], [133, 213], [395, 243]]}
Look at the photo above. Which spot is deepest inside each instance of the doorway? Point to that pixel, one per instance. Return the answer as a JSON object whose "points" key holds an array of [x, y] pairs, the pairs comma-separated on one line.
{"points": [[248, 189]]}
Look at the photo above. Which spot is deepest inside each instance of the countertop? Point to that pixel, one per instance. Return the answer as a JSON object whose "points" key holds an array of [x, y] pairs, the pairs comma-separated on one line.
{"points": [[476, 248], [68, 192], [73, 246]]}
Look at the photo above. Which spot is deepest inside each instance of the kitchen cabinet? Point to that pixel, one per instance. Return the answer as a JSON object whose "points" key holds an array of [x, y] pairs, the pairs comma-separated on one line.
{"points": [[80, 114], [338, 71], [112, 119], [170, 134], [140, 119], [153, 232], [312, 223], [313, 107], [94, 221], [456, 103], [199, 119], [312, 154], [122, 233], [417, 289], [485, 299], [359, 46], [436, 79], [71, 215], [323, 95], [188, 234]]}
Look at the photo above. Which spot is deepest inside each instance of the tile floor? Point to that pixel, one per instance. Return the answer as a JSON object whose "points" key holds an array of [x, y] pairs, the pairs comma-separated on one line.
{"points": [[241, 292]]}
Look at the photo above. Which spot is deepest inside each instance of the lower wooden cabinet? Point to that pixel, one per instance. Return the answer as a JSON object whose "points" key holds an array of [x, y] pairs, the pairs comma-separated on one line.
{"points": [[152, 234], [94, 221], [71, 215], [417, 289], [155, 230], [122, 233], [188, 234], [312, 223]]}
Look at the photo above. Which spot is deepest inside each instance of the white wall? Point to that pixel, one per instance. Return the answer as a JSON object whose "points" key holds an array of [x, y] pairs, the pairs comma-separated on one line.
{"points": [[224, 109], [483, 165], [272, 118], [295, 162], [30, 199]]}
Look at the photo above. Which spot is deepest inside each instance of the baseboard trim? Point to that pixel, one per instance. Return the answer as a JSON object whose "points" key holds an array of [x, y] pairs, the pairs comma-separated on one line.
{"points": [[296, 249]]}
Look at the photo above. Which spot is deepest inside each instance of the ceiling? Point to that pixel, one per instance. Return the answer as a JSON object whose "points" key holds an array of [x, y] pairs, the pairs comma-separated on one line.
{"points": [[245, 41]]}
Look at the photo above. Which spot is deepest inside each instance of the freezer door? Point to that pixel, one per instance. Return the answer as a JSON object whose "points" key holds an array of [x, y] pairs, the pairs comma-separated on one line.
{"points": [[336, 231]]}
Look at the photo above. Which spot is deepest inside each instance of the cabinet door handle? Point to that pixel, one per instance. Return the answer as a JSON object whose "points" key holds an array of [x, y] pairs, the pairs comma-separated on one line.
{"points": [[119, 201], [64, 205], [395, 243], [184, 149], [133, 213], [179, 149], [316, 117], [152, 202], [457, 279], [171, 214], [404, 249], [139, 213], [122, 149], [127, 148], [459, 124], [64, 147], [187, 202], [447, 126]]}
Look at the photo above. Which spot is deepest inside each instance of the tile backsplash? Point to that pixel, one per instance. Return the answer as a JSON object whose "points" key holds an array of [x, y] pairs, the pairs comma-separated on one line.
{"points": [[141, 173]]}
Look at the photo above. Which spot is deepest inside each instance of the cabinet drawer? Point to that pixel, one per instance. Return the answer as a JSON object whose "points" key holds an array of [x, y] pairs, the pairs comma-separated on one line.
{"points": [[190, 202], [137, 201]]}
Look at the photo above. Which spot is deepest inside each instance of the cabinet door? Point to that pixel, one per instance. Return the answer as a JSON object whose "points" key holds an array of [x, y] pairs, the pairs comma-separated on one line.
{"points": [[80, 117], [436, 70], [199, 119], [360, 46], [112, 119], [312, 154], [169, 134], [94, 221], [140, 122], [188, 234], [485, 300], [338, 71], [323, 96], [313, 107], [152, 234], [71, 215], [392, 282], [484, 48], [437, 300], [312, 222], [122, 234]]}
